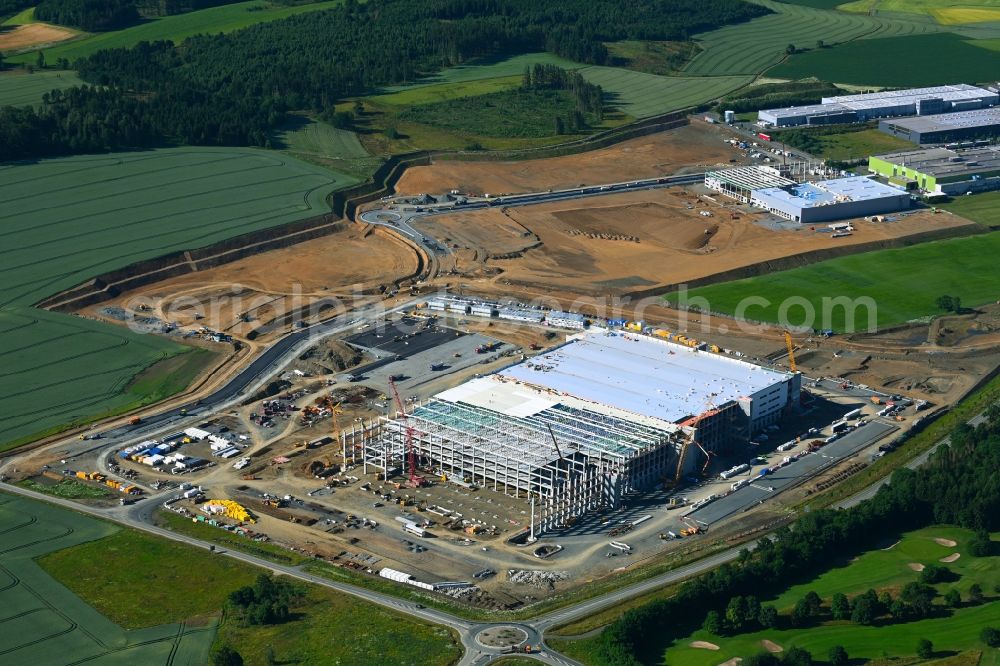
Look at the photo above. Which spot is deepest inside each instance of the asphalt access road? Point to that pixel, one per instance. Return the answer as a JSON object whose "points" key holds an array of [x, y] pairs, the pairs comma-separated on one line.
{"points": [[260, 367], [762, 488]]}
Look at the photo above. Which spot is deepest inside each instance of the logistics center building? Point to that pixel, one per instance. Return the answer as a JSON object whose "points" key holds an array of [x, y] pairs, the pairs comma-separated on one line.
{"points": [[946, 127], [889, 104], [821, 201], [582, 424], [941, 171]]}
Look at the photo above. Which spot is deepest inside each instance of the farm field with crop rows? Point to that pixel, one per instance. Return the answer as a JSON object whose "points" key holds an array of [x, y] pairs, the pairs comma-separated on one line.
{"points": [[225, 18], [21, 89], [642, 95], [44, 622], [963, 267], [750, 48], [67, 220], [849, 63]]}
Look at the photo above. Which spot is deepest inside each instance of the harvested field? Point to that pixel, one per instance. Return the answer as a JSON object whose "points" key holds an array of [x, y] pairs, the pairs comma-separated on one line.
{"points": [[337, 268], [704, 645], [947, 543], [950, 558], [32, 34], [628, 242], [645, 157]]}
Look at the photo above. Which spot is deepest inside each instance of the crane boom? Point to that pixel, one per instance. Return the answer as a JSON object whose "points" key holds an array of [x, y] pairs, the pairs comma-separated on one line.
{"points": [[411, 456], [791, 350]]}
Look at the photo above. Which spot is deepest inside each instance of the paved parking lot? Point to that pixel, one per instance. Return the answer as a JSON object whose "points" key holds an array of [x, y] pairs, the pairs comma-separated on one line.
{"points": [[404, 337]]}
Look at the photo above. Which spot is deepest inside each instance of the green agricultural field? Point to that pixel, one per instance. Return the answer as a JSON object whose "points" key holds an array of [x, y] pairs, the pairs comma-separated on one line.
{"points": [[18, 88], [641, 95], [751, 48], [319, 143], [883, 570], [851, 63], [652, 57], [43, 621], [137, 580], [963, 267], [947, 12], [225, 18], [333, 628], [522, 114], [66, 220], [69, 488], [23, 17], [982, 208], [487, 68]]}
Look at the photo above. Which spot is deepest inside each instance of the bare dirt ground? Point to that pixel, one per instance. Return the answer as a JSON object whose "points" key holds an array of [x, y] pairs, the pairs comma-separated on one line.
{"points": [[248, 298], [32, 34], [637, 240], [692, 146]]}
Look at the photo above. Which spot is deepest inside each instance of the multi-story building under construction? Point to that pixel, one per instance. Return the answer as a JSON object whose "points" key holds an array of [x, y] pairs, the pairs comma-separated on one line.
{"points": [[581, 425]]}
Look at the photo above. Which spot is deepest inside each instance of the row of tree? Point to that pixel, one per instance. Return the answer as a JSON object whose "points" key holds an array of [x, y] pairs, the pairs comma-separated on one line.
{"points": [[958, 485], [89, 15], [233, 89], [267, 601]]}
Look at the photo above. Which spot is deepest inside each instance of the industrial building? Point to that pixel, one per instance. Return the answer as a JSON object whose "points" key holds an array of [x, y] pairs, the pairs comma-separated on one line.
{"points": [[581, 425], [889, 104], [941, 171], [946, 127], [822, 201]]}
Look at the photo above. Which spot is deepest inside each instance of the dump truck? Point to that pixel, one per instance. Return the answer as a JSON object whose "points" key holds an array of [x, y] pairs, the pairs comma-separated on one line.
{"points": [[135, 420]]}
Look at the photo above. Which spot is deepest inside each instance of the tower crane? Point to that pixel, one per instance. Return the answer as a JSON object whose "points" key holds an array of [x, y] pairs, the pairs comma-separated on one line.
{"points": [[411, 455], [335, 412], [791, 350]]}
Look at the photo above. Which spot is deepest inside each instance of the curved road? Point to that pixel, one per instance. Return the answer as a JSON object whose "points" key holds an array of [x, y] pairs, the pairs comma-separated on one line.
{"points": [[140, 514]]}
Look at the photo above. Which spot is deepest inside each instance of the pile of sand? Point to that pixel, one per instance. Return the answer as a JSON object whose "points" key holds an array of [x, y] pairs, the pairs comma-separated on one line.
{"points": [[916, 566], [771, 646], [951, 558], [704, 645], [947, 543]]}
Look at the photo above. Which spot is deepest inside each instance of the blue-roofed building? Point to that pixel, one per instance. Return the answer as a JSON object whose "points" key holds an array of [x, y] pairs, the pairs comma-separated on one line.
{"points": [[837, 199]]}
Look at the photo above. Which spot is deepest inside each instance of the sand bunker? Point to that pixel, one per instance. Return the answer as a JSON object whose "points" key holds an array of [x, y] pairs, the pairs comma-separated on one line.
{"points": [[704, 645], [951, 558], [916, 566], [732, 662], [947, 543], [887, 547], [771, 646]]}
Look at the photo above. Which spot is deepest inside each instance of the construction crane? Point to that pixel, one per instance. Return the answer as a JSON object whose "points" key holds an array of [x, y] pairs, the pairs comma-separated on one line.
{"points": [[791, 350], [710, 410], [335, 412], [411, 456]]}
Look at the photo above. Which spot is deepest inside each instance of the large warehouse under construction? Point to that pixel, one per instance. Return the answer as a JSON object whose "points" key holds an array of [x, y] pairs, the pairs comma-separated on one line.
{"points": [[578, 426]]}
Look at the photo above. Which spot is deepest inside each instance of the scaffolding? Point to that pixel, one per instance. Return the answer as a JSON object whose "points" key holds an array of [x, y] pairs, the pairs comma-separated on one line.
{"points": [[603, 456]]}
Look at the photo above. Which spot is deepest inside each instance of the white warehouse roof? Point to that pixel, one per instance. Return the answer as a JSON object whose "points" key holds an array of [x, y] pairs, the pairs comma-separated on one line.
{"points": [[626, 372]]}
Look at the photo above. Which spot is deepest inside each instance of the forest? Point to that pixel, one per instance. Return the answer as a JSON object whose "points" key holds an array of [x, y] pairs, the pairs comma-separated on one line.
{"points": [[958, 486], [232, 89]]}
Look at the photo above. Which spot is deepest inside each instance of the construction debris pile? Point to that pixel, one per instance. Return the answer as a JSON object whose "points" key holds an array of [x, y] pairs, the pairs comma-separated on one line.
{"points": [[536, 577]]}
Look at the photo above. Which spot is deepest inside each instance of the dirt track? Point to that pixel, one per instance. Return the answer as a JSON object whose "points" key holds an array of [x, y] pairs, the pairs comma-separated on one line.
{"points": [[655, 155], [33, 34]]}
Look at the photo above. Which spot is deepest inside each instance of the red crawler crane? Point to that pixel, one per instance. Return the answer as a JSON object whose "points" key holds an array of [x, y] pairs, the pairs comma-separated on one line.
{"points": [[411, 455]]}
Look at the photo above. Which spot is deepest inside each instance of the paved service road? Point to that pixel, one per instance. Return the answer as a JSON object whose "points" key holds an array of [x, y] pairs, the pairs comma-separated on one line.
{"points": [[139, 516], [810, 464]]}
